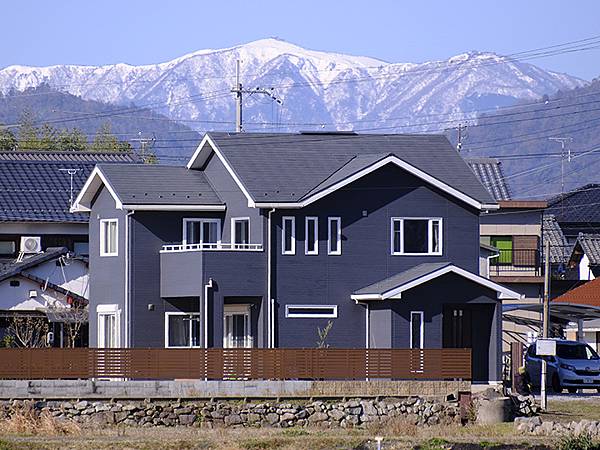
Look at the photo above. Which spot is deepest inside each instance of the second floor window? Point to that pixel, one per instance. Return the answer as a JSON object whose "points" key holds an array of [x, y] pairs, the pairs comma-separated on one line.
{"points": [[416, 236], [311, 236], [108, 237], [201, 231], [334, 236], [288, 235], [240, 231]]}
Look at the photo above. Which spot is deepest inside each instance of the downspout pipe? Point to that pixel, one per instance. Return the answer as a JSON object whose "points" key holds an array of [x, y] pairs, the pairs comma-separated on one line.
{"points": [[270, 306], [127, 298], [207, 286]]}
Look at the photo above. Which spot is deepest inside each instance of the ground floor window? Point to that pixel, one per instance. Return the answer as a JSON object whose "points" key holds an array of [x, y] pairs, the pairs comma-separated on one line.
{"points": [[182, 329], [311, 311], [108, 326], [236, 327], [416, 329]]}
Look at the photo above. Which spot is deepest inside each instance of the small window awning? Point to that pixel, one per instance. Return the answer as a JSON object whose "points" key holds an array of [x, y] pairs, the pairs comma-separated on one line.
{"points": [[394, 286]]}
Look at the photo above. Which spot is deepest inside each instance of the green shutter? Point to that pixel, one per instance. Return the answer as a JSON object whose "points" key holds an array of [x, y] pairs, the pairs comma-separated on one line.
{"points": [[505, 245]]}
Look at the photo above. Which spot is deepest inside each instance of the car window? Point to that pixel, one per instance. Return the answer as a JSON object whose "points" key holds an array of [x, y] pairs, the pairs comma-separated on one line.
{"points": [[581, 351]]}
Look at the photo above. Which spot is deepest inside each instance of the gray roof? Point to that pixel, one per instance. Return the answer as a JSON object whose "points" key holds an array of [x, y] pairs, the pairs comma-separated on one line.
{"points": [[577, 206], [401, 278], [288, 167], [489, 172], [590, 244], [159, 185], [11, 269], [35, 186], [560, 249]]}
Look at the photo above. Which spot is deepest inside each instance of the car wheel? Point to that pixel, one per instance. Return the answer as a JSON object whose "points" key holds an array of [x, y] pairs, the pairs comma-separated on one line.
{"points": [[572, 390], [556, 387]]}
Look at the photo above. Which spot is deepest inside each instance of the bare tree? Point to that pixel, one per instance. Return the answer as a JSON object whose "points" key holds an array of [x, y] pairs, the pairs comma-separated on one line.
{"points": [[28, 331], [73, 318]]}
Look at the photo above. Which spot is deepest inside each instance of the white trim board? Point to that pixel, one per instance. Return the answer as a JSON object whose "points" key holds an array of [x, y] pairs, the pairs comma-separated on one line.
{"points": [[93, 184], [396, 293]]}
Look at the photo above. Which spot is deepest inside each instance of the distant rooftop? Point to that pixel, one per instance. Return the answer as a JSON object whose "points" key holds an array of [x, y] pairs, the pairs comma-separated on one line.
{"points": [[552, 233], [490, 174], [577, 206], [36, 185]]}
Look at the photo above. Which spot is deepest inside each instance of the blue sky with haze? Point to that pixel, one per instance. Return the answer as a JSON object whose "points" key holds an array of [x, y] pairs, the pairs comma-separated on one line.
{"points": [[141, 32]]}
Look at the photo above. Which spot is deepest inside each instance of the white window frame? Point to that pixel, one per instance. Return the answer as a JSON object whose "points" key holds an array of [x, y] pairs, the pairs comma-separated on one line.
{"points": [[292, 251], [338, 236], [201, 221], [324, 315], [102, 311], [315, 250], [103, 227], [422, 328], [179, 313], [238, 309], [233, 221], [430, 251]]}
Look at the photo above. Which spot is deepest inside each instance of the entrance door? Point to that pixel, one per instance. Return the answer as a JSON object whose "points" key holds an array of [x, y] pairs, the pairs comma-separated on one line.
{"points": [[236, 327], [470, 326]]}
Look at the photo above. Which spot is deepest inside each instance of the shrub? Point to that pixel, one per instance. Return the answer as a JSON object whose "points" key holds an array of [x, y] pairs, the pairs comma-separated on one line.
{"points": [[581, 441]]}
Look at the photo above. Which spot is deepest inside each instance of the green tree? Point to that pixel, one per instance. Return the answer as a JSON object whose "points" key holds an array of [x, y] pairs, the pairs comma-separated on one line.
{"points": [[29, 138], [8, 141], [48, 138], [74, 139], [105, 141]]}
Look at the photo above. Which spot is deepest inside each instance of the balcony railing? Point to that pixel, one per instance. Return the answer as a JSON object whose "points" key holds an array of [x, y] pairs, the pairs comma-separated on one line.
{"points": [[523, 261], [211, 247]]}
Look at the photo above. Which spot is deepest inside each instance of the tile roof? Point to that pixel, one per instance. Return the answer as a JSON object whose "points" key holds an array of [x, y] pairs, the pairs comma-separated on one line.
{"points": [[489, 172], [35, 187], [286, 167], [159, 185], [560, 249], [580, 205], [586, 294], [15, 268], [590, 244]]}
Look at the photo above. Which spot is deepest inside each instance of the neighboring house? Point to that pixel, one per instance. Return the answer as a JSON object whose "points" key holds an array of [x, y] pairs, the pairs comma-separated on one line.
{"points": [[585, 256], [35, 199], [515, 230], [37, 228], [263, 238], [46, 285], [577, 211]]}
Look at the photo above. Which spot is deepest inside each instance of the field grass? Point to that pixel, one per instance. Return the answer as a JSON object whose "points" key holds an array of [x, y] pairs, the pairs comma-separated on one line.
{"points": [[23, 432]]}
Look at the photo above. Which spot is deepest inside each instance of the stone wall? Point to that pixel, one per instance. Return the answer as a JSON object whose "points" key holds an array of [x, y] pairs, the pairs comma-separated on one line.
{"points": [[231, 413], [537, 427]]}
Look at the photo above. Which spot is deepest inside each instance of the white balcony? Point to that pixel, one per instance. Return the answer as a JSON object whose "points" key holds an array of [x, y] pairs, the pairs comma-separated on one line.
{"points": [[219, 247]]}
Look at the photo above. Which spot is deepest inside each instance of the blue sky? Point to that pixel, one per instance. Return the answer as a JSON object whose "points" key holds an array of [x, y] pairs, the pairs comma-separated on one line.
{"points": [[138, 32]]}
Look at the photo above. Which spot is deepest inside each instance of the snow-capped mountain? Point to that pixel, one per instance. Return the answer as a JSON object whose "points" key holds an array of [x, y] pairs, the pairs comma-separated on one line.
{"points": [[318, 89]]}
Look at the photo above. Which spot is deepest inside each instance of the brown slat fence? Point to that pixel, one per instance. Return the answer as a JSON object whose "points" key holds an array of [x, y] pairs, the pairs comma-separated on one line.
{"points": [[236, 364]]}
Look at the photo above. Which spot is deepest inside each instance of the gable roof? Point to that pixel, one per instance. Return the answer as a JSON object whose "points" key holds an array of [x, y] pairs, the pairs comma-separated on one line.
{"points": [[579, 205], [552, 233], [586, 294], [490, 174], [292, 170], [148, 186], [393, 286], [36, 185], [588, 244]]}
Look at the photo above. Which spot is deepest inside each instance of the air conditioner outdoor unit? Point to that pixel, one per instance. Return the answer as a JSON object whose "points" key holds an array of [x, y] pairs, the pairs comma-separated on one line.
{"points": [[31, 244]]}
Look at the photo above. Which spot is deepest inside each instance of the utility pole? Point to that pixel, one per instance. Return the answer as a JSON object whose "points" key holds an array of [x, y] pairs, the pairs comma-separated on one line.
{"points": [[562, 141], [545, 323], [239, 90], [145, 144], [461, 135]]}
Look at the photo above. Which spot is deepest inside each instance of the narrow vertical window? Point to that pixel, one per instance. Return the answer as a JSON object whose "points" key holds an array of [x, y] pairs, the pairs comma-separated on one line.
{"points": [[108, 237], [288, 235], [240, 230], [416, 329], [334, 236], [311, 236]]}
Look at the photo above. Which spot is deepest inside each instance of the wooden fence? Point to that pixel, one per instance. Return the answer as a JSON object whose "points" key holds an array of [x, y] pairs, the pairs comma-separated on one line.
{"points": [[236, 364]]}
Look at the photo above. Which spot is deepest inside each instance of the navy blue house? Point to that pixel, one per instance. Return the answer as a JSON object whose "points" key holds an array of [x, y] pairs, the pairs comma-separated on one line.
{"points": [[263, 238]]}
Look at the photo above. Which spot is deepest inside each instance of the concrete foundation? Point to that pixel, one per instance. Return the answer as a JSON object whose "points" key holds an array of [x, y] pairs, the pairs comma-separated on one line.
{"points": [[196, 389]]}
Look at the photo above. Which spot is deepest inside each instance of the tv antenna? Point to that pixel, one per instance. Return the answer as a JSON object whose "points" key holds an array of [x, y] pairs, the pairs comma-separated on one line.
{"points": [[239, 91], [72, 173]]}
